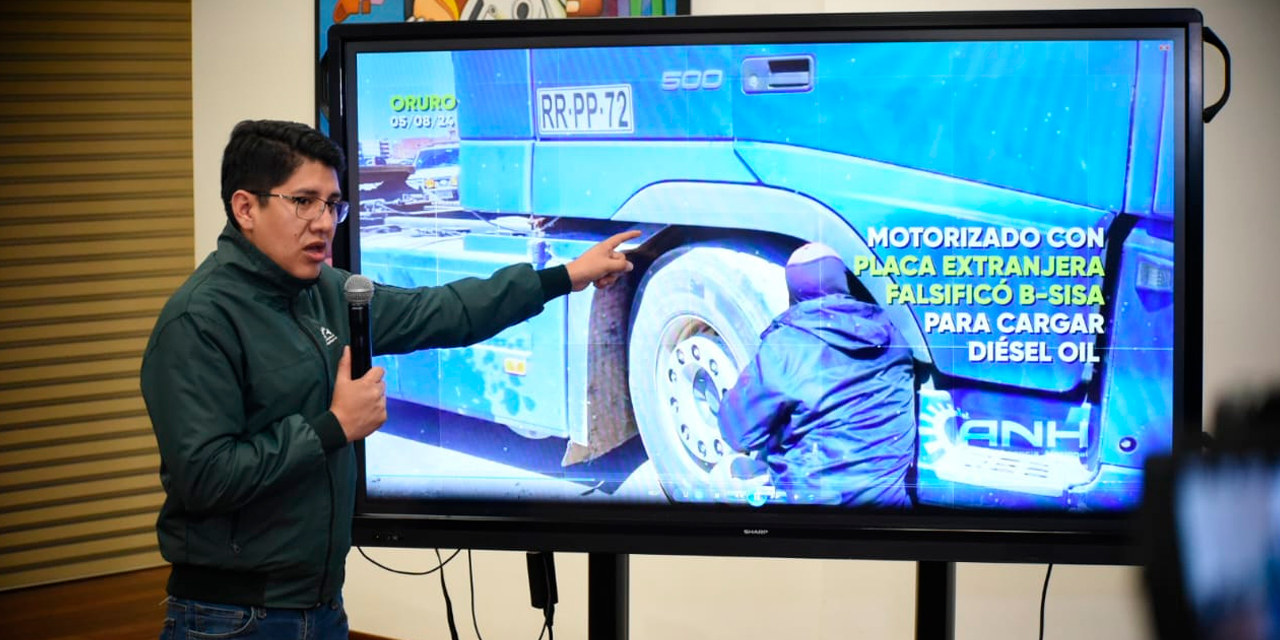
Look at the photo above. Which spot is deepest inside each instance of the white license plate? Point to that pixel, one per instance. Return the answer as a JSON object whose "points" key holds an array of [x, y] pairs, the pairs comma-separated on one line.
{"points": [[579, 110]]}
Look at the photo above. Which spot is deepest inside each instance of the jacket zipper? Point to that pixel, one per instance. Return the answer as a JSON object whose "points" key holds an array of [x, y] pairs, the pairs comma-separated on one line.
{"points": [[328, 539], [235, 531]]}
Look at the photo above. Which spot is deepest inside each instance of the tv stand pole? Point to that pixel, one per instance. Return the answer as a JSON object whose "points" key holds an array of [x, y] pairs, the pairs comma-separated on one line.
{"points": [[608, 588], [935, 600]]}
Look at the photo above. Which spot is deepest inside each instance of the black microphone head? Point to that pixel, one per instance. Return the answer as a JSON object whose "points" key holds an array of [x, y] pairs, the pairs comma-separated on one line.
{"points": [[358, 289]]}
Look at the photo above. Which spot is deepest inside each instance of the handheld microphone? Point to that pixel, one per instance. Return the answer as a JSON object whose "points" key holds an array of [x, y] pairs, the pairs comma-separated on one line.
{"points": [[359, 292]]}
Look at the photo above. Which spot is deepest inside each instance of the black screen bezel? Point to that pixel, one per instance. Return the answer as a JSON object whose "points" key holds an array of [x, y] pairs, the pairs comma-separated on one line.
{"points": [[928, 534]]}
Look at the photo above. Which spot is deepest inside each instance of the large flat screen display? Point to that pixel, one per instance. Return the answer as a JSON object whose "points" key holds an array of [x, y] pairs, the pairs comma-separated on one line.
{"points": [[905, 274]]}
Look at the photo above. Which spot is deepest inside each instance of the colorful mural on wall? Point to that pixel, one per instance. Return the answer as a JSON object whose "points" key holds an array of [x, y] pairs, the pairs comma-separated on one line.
{"points": [[331, 12], [503, 9]]}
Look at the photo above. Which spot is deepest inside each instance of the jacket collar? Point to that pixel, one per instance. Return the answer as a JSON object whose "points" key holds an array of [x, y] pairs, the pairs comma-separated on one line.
{"points": [[236, 251]]}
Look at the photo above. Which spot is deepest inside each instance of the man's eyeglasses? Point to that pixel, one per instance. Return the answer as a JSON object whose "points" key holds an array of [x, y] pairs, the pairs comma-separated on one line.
{"points": [[309, 207]]}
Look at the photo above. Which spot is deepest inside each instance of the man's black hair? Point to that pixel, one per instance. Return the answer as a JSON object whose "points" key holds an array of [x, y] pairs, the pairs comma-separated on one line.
{"points": [[263, 154]]}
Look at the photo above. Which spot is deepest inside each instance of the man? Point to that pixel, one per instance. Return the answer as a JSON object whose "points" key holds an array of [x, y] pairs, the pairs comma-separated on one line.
{"points": [[249, 389], [828, 401]]}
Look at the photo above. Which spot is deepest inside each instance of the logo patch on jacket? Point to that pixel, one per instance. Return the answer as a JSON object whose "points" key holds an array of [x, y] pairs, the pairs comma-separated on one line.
{"points": [[329, 338]]}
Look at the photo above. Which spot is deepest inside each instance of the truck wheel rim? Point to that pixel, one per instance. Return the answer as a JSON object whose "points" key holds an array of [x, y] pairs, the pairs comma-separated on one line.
{"points": [[695, 369]]}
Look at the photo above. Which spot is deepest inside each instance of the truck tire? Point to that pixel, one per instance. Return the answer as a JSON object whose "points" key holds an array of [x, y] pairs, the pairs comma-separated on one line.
{"points": [[696, 321]]}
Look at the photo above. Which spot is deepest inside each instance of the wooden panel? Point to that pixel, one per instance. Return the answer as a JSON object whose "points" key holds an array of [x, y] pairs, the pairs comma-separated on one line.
{"points": [[88, 89], [62, 111], [21, 25], [95, 156], [76, 532], [175, 225], [125, 246], [64, 513], [63, 308], [90, 147], [79, 352], [31, 457], [60, 402], [106, 405], [140, 483], [168, 262], [91, 190], [74, 451], [88, 170], [142, 204], [134, 281], [141, 559], [77, 551], [176, 10], [89, 66], [73, 128], [21, 378], [133, 324], [74, 430], [19, 44], [107, 287]]}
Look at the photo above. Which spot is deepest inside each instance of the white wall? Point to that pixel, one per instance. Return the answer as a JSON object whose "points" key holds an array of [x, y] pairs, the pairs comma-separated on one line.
{"points": [[248, 60], [255, 59]]}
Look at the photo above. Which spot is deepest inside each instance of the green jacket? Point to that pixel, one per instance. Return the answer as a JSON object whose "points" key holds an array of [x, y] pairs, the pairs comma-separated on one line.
{"points": [[238, 379]]}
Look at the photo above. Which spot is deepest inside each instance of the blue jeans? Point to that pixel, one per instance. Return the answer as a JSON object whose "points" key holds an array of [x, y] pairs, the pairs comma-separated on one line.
{"points": [[195, 620]]}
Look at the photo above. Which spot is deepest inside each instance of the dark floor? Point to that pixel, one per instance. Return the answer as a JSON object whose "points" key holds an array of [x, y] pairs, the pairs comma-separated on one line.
{"points": [[126, 606]]}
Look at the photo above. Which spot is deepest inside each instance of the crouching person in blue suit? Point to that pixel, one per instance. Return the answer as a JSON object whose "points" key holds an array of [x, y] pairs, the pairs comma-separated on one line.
{"points": [[828, 402]]}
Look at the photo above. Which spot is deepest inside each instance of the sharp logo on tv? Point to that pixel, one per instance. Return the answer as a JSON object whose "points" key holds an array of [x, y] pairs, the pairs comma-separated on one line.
{"points": [[755, 532]]}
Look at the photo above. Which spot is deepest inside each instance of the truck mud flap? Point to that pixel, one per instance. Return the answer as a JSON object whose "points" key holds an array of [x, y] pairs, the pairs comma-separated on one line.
{"points": [[610, 419]]}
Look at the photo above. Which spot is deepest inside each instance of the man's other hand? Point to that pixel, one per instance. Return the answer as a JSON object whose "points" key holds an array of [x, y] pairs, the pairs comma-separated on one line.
{"points": [[360, 405]]}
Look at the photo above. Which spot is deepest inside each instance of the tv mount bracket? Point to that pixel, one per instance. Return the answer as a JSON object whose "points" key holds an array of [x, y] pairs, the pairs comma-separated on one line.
{"points": [[1213, 40]]}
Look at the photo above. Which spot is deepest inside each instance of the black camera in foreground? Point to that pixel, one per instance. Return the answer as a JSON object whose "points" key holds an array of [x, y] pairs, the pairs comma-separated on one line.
{"points": [[1212, 528]]}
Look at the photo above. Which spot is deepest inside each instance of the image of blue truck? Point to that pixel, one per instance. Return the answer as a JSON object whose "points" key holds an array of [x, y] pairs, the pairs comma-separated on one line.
{"points": [[1009, 204]]}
